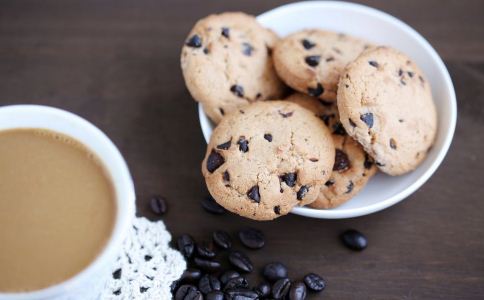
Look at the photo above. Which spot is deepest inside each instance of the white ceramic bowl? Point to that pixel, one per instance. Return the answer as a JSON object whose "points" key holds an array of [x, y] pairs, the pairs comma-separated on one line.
{"points": [[88, 283], [380, 28]]}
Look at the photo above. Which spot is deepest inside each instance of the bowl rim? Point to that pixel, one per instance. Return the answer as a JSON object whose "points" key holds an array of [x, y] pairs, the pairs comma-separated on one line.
{"points": [[448, 85]]}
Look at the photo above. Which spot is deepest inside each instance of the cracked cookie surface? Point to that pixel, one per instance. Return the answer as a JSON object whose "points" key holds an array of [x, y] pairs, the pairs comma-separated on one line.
{"points": [[226, 62], [352, 168], [385, 103], [267, 158], [311, 61]]}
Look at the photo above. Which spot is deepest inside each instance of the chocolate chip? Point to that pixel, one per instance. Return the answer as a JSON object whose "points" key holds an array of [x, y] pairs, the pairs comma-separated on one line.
{"points": [[380, 164], [368, 119], [337, 50], [289, 178], [400, 120], [302, 192], [329, 59], [214, 161], [286, 115], [368, 162], [393, 144], [226, 178], [400, 72], [307, 44], [339, 129], [277, 210], [268, 137], [206, 51], [329, 183], [226, 32], [349, 187], [314, 159], [317, 91], [347, 86], [269, 50], [352, 123], [325, 103], [341, 161], [403, 82], [247, 49], [373, 63], [243, 144], [211, 206], [158, 205], [195, 41], [253, 193], [421, 79], [222, 112], [237, 90], [225, 146], [410, 74], [312, 60]]}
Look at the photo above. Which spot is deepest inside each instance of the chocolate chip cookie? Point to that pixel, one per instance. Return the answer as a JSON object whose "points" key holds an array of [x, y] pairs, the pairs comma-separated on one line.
{"points": [[311, 61], [352, 167], [226, 62], [385, 103], [266, 158]]}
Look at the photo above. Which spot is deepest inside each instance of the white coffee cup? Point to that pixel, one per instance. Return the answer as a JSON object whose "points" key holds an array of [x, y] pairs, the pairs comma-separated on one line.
{"points": [[88, 283]]}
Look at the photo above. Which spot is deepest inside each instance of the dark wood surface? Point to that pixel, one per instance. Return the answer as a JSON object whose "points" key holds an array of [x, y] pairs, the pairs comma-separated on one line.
{"points": [[116, 63]]}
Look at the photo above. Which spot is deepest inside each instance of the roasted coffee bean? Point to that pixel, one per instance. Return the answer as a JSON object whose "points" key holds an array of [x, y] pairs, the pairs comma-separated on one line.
{"points": [[252, 238], [281, 288], [205, 250], [312, 60], [227, 275], [253, 193], [302, 192], [222, 239], [317, 91], [289, 179], [173, 287], [209, 204], [209, 283], [186, 245], [191, 275], [214, 161], [241, 294], [226, 32], [188, 292], [195, 41], [354, 240], [274, 271], [237, 90], [368, 119], [373, 63], [241, 261], [314, 282], [158, 205], [268, 137], [237, 282], [243, 144], [263, 289], [207, 264], [307, 44], [215, 295], [297, 291], [341, 161]]}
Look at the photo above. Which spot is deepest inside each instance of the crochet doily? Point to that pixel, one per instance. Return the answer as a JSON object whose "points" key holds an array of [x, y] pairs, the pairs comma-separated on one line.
{"points": [[147, 265]]}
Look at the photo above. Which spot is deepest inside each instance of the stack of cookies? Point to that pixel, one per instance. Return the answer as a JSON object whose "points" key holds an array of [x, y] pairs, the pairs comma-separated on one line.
{"points": [[303, 120]]}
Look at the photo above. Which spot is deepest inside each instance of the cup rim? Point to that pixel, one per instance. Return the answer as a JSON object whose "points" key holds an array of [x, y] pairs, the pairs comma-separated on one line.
{"points": [[125, 193], [448, 134]]}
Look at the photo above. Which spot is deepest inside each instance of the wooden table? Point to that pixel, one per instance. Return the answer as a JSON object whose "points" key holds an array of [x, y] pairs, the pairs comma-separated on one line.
{"points": [[116, 63]]}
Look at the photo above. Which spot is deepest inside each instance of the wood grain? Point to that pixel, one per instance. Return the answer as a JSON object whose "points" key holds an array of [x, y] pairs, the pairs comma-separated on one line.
{"points": [[116, 63]]}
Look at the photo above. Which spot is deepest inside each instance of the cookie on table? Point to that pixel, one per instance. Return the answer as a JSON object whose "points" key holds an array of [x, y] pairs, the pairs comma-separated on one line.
{"points": [[385, 103], [311, 61], [226, 62], [266, 158], [352, 168]]}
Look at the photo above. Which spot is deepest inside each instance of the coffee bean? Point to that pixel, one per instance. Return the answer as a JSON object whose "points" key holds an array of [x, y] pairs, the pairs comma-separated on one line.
{"points": [[247, 49], [158, 205], [252, 238], [297, 291], [341, 161], [173, 287], [237, 282], [186, 245], [225, 146], [243, 144], [354, 240], [274, 271], [373, 63], [368, 119], [227, 275], [314, 282], [317, 91], [268, 137], [195, 41], [240, 261], [222, 239], [209, 283], [237, 90], [188, 292], [241, 294], [302, 192], [215, 295], [205, 250], [253, 193], [214, 161], [263, 289], [312, 60], [209, 204], [207, 264], [226, 32], [289, 179], [281, 288], [191, 275], [307, 44]]}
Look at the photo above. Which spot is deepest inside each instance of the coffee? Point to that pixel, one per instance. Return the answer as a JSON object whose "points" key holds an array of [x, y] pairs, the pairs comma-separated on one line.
{"points": [[57, 208]]}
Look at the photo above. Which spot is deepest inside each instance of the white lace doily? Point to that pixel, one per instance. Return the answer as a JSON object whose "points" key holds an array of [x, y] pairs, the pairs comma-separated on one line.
{"points": [[147, 265]]}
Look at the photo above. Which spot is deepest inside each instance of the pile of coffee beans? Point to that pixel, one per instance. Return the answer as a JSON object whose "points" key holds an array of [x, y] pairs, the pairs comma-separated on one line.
{"points": [[205, 278]]}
